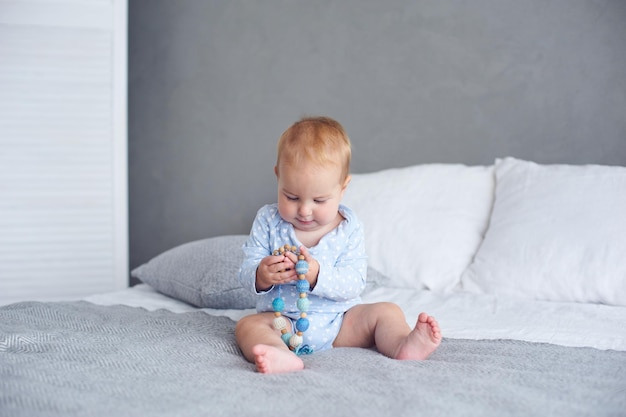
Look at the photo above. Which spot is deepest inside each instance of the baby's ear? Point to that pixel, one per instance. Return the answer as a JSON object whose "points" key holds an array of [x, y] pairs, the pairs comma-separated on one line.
{"points": [[347, 181]]}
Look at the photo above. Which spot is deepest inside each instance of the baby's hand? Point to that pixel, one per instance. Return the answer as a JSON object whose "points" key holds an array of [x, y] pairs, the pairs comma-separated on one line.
{"points": [[314, 266], [275, 270]]}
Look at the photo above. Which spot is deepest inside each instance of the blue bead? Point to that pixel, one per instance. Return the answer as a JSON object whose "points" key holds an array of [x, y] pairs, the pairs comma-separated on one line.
{"points": [[286, 337], [302, 267], [302, 285], [303, 304], [278, 304], [302, 324]]}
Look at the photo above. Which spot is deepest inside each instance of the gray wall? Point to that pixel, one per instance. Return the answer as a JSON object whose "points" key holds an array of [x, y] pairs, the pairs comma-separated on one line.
{"points": [[213, 84]]}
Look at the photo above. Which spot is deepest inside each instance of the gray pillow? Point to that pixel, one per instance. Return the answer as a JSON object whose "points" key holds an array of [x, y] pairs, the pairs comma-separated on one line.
{"points": [[375, 280], [204, 272]]}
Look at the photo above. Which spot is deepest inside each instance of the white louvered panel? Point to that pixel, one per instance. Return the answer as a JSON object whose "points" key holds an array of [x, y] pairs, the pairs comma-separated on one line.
{"points": [[63, 227]]}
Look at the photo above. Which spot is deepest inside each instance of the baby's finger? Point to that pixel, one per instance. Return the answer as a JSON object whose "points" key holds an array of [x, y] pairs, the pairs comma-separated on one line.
{"points": [[271, 261], [277, 259], [305, 252], [291, 257], [288, 276]]}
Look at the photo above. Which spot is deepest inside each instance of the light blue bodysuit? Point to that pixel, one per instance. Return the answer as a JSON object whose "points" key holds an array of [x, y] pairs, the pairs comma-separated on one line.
{"points": [[341, 279]]}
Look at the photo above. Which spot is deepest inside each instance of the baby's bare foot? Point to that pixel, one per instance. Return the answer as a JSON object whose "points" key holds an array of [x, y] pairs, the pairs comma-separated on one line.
{"points": [[422, 341], [271, 360]]}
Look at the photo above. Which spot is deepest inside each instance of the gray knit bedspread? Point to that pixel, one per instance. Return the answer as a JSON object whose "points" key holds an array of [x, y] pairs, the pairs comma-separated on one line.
{"points": [[82, 359]]}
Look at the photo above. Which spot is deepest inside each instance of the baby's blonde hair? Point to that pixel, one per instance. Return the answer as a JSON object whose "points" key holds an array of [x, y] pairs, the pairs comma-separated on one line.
{"points": [[320, 140]]}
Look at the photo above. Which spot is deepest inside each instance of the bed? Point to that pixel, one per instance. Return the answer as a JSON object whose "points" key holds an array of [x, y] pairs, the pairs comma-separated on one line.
{"points": [[532, 306]]}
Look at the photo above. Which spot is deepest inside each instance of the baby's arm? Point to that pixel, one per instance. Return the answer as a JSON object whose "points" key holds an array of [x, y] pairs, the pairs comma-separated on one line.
{"points": [[342, 278], [341, 282]]}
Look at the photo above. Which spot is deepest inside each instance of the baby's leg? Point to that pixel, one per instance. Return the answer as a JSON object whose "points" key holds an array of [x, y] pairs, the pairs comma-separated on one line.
{"points": [[262, 345], [422, 341], [384, 326]]}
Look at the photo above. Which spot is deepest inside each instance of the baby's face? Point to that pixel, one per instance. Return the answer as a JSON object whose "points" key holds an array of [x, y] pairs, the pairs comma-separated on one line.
{"points": [[309, 196]]}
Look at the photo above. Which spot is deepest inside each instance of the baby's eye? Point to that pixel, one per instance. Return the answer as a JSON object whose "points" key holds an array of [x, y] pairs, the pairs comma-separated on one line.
{"points": [[320, 201], [292, 198]]}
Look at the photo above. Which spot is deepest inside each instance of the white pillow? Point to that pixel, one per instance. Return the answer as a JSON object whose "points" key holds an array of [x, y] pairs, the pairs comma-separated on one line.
{"points": [[557, 232], [423, 223]]}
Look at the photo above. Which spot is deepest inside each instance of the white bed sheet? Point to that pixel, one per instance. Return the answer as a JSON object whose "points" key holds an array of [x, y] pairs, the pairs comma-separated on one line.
{"points": [[461, 315]]}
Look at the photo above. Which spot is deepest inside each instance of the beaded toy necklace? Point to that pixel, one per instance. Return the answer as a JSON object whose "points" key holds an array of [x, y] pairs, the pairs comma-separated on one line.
{"points": [[294, 341]]}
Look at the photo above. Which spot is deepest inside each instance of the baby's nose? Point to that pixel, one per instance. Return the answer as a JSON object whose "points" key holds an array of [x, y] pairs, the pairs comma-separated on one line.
{"points": [[304, 210]]}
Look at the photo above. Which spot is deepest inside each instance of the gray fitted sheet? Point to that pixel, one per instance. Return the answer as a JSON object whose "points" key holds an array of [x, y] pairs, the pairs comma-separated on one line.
{"points": [[83, 359]]}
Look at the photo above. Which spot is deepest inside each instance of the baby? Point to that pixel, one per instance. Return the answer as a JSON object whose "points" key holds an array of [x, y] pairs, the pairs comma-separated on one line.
{"points": [[313, 172]]}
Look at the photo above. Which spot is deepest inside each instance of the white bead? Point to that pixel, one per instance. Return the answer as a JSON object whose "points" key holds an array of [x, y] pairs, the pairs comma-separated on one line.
{"points": [[295, 341], [280, 323]]}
